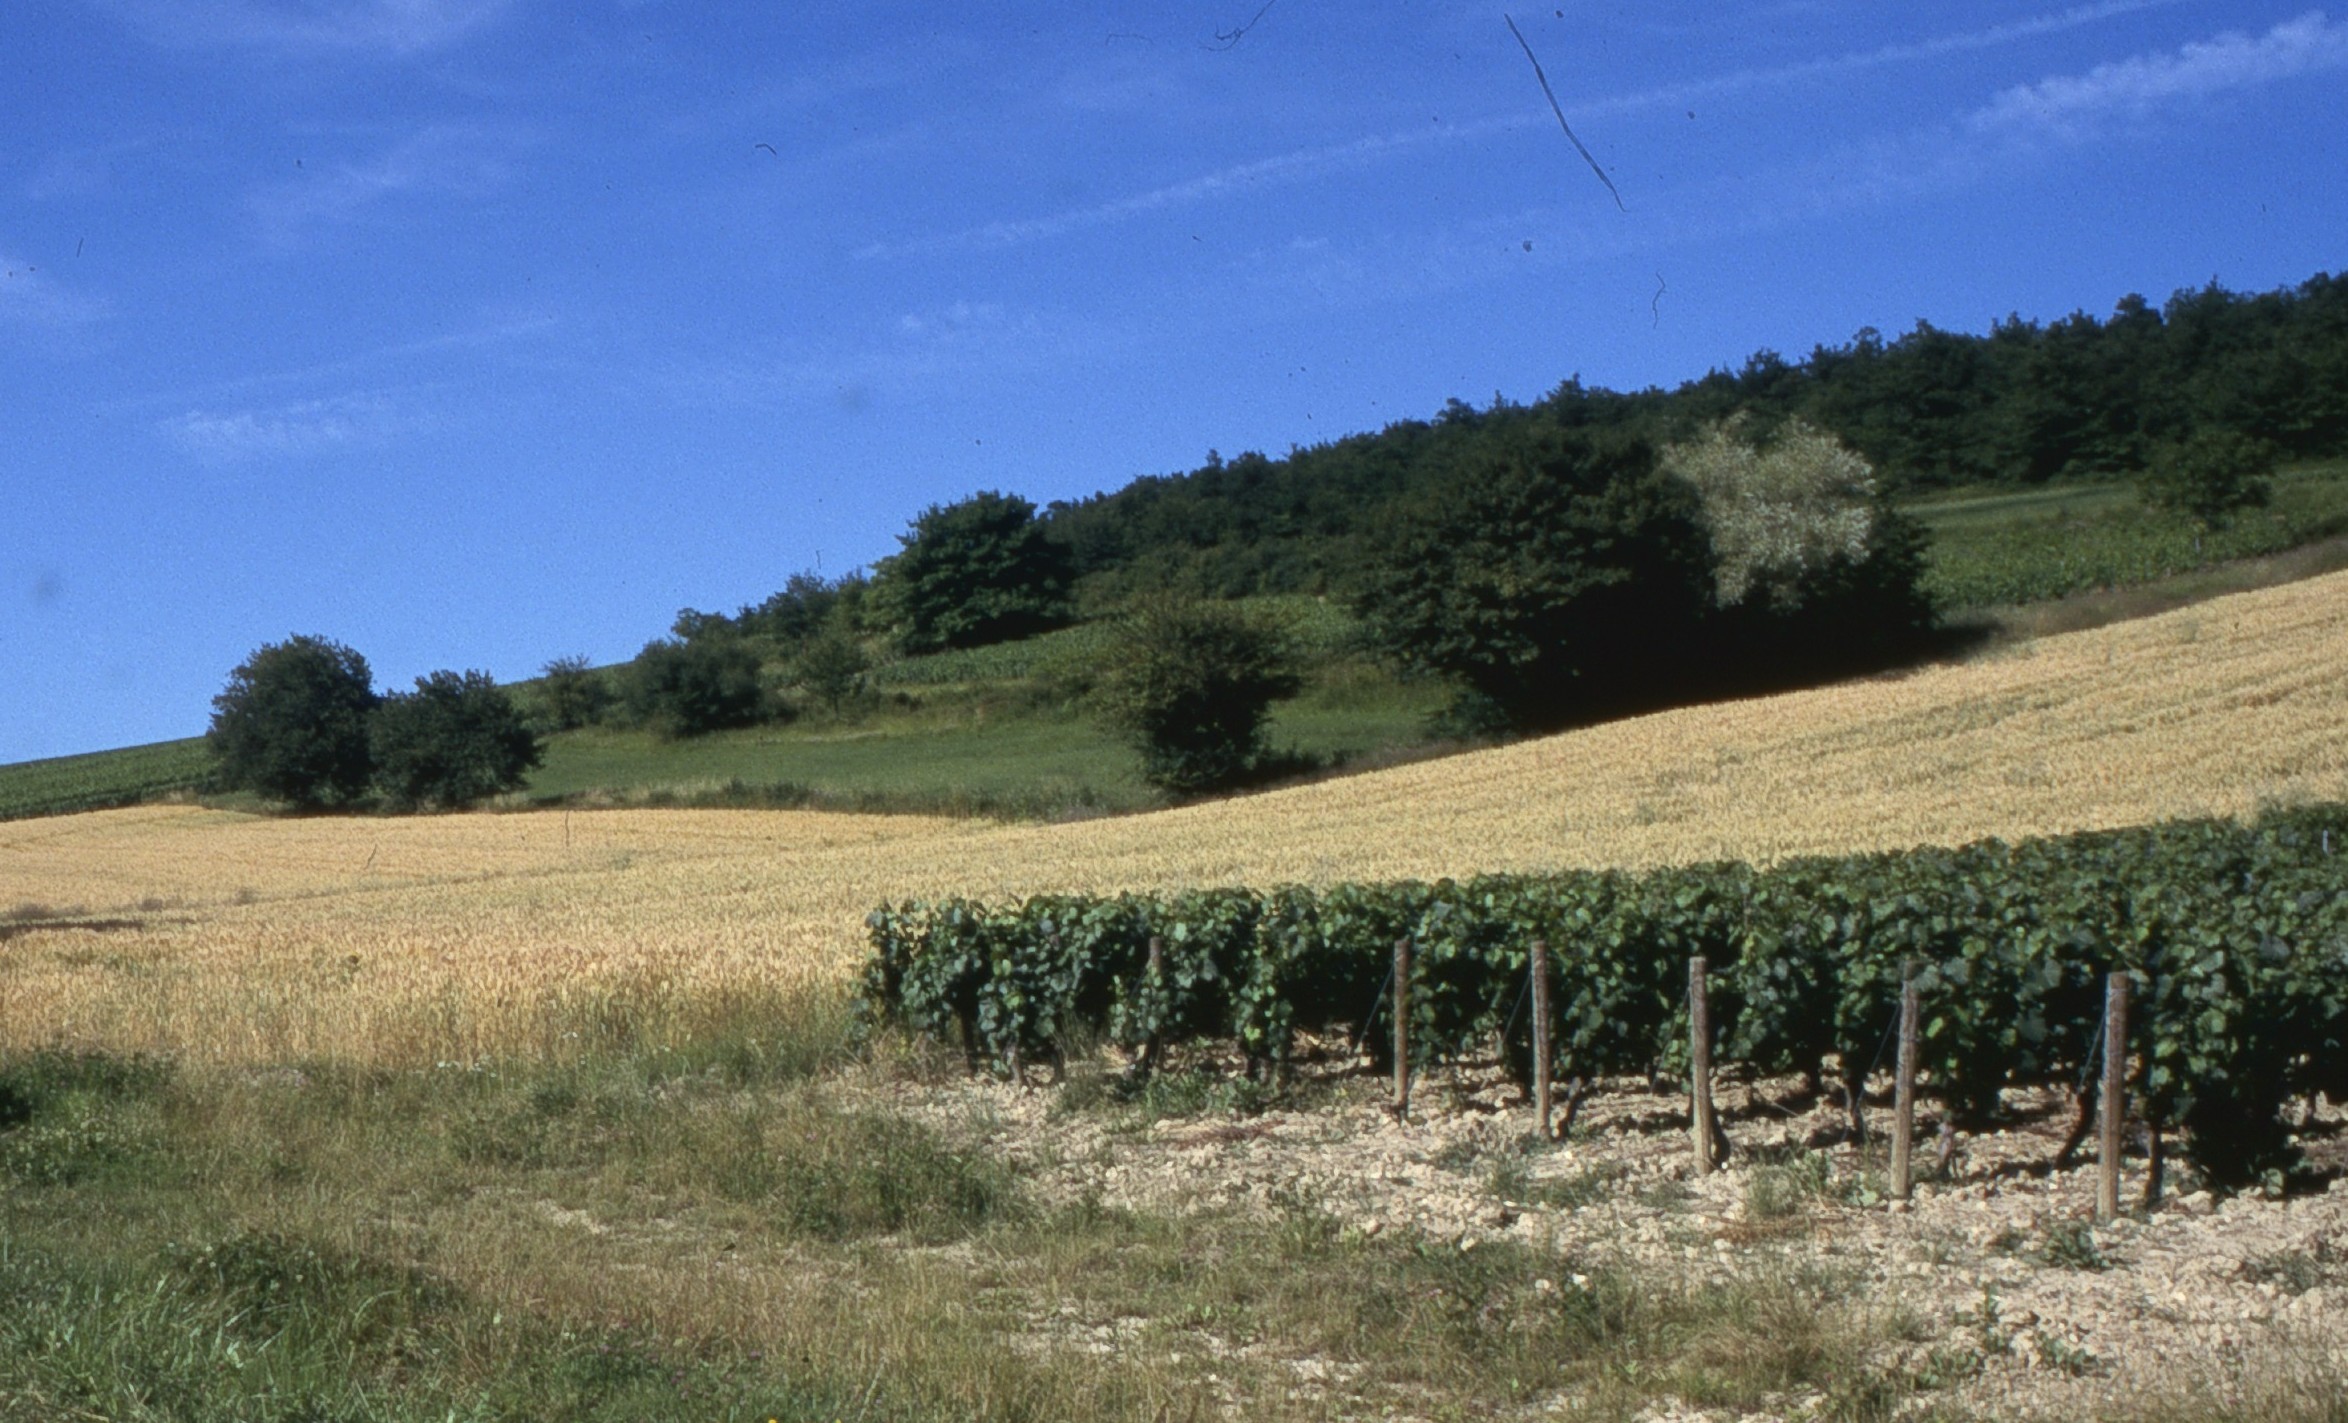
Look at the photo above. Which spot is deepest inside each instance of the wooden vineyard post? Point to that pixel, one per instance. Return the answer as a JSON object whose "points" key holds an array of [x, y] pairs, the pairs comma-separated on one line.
{"points": [[1540, 972], [1154, 978], [2114, 1107], [1700, 1066], [1402, 1028], [1903, 1122]]}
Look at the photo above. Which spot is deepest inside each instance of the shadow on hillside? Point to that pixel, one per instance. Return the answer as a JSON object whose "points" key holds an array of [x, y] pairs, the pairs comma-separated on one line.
{"points": [[13, 926]]}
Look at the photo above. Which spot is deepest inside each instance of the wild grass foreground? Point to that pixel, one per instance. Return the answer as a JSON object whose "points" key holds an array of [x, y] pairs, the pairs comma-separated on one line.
{"points": [[777, 1224], [726, 1235]]}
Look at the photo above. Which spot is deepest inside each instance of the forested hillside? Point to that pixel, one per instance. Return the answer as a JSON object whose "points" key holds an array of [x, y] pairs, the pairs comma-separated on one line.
{"points": [[2026, 403]]}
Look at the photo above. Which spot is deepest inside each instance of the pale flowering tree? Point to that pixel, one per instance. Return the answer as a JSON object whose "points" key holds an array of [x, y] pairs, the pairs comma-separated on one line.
{"points": [[1780, 513]]}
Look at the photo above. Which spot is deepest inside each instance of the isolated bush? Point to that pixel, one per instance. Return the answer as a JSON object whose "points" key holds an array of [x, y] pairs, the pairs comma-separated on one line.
{"points": [[831, 668], [1778, 511], [573, 693], [1556, 580], [983, 570], [690, 688], [292, 723], [1189, 684], [2210, 477], [456, 739], [1812, 568]]}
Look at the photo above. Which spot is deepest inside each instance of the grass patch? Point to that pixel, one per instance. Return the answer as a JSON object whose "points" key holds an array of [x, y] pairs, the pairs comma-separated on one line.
{"points": [[1005, 749], [1784, 1192], [2070, 1245], [1319, 630], [61, 785], [255, 1325], [1497, 1327], [2016, 547], [68, 1117], [2297, 1271], [845, 1175], [656, 1233], [1512, 1179], [2289, 1381], [973, 758]]}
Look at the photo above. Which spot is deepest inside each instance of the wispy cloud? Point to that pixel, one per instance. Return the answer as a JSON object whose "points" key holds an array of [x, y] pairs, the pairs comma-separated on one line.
{"points": [[1301, 163], [443, 159], [303, 428], [362, 367], [1305, 163], [939, 345], [963, 321], [1857, 61], [2023, 122], [2076, 106], [388, 28], [1964, 151]]}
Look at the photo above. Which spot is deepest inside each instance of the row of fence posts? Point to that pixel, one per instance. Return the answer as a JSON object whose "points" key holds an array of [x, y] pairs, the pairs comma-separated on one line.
{"points": [[1705, 1134]]}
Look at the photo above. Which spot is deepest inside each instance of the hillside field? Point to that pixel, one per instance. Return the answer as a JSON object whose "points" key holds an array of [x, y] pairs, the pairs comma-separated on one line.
{"points": [[226, 936], [993, 730], [2008, 547]]}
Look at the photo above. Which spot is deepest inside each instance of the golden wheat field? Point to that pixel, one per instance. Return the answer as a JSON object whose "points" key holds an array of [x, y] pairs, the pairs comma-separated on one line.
{"points": [[397, 940]]}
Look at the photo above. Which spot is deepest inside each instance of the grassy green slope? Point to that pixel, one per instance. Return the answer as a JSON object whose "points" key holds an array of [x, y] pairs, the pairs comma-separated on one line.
{"points": [[2012, 547], [63, 784], [984, 730], [994, 749]]}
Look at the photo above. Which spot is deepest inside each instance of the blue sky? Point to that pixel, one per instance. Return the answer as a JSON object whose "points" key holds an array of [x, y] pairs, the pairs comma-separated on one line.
{"points": [[475, 333]]}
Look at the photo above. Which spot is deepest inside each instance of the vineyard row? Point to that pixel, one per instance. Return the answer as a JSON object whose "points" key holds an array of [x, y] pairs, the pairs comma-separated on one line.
{"points": [[2235, 938]]}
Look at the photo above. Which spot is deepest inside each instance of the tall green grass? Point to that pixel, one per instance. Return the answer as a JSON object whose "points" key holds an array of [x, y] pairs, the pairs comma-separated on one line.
{"points": [[61, 785], [2017, 547], [1016, 749], [1320, 631], [775, 1224], [626, 1236]]}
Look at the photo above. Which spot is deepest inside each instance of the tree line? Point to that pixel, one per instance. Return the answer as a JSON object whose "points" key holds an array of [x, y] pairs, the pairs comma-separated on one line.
{"points": [[300, 721], [1550, 581], [1590, 554], [1552, 576], [2026, 403]]}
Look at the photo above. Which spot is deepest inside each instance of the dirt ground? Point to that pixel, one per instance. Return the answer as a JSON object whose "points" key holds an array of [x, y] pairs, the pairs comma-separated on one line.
{"points": [[2017, 1304]]}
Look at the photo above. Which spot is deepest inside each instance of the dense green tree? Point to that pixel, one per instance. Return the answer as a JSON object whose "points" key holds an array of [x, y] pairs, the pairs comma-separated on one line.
{"points": [[694, 625], [456, 739], [2069, 405], [2029, 400], [979, 571], [1813, 570], [1556, 584], [2210, 477], [689, 688], [807, 604], [831, 667], [1189, 683], [573, 693], [1776, 510], [292, 723]]}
